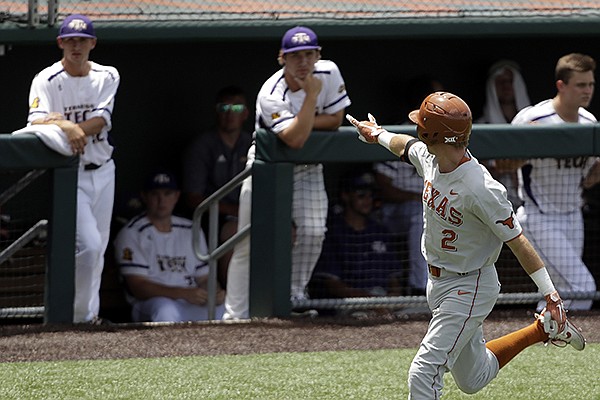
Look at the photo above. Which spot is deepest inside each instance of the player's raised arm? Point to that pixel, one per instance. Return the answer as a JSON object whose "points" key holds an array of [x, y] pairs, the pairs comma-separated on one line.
{"points": [[370, 132]]}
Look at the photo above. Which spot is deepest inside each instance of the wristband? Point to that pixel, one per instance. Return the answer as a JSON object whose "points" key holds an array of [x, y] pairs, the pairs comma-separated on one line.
{"points": [[543, 281], [385, 138]]}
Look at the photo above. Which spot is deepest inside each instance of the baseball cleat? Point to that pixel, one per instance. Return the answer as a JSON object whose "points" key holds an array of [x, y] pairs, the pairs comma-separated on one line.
{"points": [[570, 334]]}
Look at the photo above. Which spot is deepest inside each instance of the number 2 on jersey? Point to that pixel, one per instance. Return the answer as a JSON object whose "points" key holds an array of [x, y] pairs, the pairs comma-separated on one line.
{"points": [[449, 238]]}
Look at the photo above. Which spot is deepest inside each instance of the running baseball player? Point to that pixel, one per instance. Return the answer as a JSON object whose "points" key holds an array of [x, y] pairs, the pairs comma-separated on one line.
{"points": [[164, 280], [552, 188], [306, 94], [78, 96], [467, 217]]}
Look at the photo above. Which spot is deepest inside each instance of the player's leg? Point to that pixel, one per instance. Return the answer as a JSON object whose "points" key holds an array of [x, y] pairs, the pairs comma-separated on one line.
{"points": [[418, 266], [309, 212], [194, 312], [508, 346], [559, 241], [455, 326], [579, 276], [87, 250], [237, 297], [102, 208], [157, 309]]}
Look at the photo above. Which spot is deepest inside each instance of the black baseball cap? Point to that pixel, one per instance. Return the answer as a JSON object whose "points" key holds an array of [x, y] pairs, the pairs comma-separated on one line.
{"points": [[161, 179], [353, 181]]}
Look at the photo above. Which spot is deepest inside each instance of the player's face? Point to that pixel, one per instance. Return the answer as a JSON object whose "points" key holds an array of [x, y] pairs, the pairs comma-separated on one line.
{"points": [[160, 202], [579, 90], [231, 114], [504, 87], [360, 201], [301, 63], [76, 49]]}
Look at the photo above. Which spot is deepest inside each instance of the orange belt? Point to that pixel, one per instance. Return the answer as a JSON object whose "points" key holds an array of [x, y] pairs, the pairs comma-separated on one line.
{"points": [[435, 271]]}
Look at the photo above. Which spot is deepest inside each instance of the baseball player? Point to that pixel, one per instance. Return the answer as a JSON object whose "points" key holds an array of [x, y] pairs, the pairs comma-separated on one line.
{"points": [[165, 282], [466, 218], [551, 188], [306, 94], [78, 96]]}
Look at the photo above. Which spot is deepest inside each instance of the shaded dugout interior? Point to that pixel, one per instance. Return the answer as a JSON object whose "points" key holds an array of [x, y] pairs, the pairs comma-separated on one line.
{"points": [[170, 76]]}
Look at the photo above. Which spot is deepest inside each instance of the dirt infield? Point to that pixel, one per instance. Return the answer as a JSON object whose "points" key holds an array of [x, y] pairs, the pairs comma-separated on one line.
{"points": [[46, 343]]}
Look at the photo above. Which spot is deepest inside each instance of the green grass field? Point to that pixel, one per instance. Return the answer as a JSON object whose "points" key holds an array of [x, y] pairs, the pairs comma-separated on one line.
{"points": [[537, 373]]}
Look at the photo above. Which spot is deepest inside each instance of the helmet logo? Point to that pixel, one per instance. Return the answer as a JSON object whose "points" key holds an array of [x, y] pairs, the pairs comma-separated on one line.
{"points": [[300, 38], [451, 139]]}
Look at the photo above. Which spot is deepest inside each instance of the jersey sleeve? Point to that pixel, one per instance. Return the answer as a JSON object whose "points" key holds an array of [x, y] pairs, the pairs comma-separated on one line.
{"points": [[493, 208], [129, 255], [336, 97], [522, 117], [275, 113], [416, 153], [39, 99], [106, 97]]}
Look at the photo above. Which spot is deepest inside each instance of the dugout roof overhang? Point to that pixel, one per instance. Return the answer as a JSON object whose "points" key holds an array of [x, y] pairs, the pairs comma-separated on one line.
{"points": [[371, 19]]}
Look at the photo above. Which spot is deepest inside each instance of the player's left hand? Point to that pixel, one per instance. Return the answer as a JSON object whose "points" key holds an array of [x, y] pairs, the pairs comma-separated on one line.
{"points": [[556, 308], [367, 130]]}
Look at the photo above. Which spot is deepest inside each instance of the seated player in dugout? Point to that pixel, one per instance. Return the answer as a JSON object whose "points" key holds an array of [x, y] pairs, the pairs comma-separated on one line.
{"points": [[164, 280], [357, 258]]}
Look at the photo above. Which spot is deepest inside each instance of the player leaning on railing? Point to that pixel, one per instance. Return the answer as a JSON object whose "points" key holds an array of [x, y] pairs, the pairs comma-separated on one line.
{"points": [[467, 218]]}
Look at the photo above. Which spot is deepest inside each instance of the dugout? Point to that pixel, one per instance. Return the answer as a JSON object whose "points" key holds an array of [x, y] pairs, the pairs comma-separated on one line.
{"points": [[170, 73]]}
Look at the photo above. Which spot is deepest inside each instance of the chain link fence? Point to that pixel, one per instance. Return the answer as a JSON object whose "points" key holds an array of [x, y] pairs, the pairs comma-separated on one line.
{"points": [[34, 12]]}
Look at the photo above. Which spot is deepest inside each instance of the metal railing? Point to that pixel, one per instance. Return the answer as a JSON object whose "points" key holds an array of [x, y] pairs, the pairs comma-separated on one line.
{"points": [[216, 251]]}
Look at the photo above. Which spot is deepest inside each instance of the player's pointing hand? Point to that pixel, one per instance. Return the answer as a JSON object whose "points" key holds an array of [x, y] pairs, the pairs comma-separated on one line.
{"points": [[367, 130]]}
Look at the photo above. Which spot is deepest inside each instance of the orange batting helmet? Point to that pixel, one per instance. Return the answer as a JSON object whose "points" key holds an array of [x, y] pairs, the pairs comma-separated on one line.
{"points": [[443, 115]]}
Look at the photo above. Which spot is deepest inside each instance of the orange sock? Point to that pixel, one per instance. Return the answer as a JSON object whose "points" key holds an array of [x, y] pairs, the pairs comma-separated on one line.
{"points": [[507, 347]]}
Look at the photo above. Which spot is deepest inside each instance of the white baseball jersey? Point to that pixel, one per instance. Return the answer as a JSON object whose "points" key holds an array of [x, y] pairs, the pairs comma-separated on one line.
{"points": [[467, 216], [552, 216], [552, 184], [166, 258], [277, 105], [78, 98]]}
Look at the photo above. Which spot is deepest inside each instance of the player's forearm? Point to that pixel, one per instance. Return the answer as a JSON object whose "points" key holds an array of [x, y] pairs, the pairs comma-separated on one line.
{"points": [[299, 130], [593, 176], [532, 264], [524, 252], [394, 142], [92, 126], [328, 122]]}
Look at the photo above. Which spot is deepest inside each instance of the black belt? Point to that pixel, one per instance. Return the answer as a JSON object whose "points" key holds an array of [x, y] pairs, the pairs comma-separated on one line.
{"points": [[92, 166]]}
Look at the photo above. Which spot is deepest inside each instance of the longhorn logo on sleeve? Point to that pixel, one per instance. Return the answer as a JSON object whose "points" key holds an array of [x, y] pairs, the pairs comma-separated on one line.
{"points": [[510, 221]]}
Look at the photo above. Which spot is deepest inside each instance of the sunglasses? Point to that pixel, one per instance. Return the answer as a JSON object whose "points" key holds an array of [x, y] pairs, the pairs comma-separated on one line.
{"points": [[363, 193], [234, 108]]}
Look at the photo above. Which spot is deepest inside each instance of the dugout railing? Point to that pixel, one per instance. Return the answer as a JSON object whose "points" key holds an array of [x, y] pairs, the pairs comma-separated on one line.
{"points": [[272, 197], [24, 159]]}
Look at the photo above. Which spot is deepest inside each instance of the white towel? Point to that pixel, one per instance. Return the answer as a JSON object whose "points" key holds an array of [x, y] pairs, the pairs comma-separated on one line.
{"points": [[51, 135], [492, 113]]}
